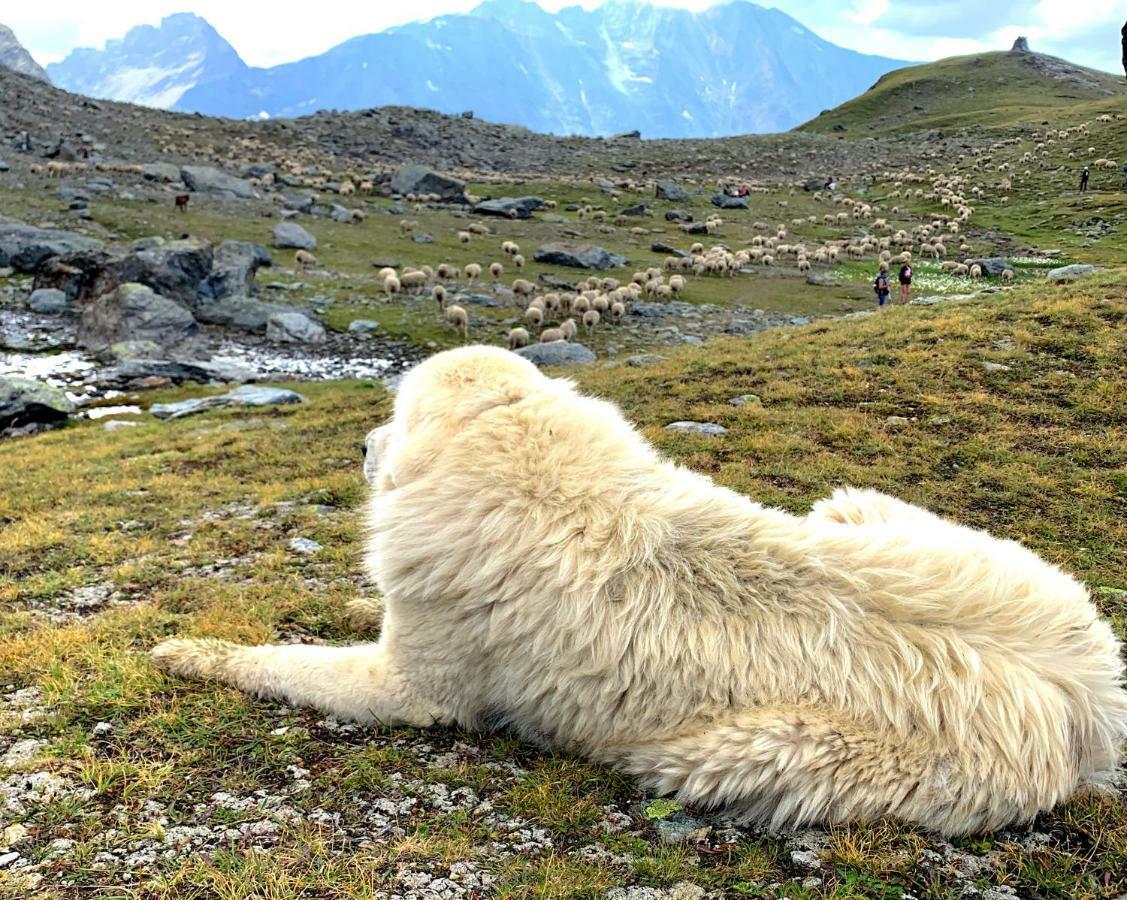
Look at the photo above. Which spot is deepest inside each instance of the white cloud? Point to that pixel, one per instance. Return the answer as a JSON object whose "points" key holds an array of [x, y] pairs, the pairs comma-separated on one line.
{"points": [[865, 12]]}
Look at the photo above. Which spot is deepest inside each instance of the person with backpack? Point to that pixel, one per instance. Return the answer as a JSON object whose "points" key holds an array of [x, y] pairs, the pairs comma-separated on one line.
{"points": [[1084, 179], [905, 279], [880, 286]]}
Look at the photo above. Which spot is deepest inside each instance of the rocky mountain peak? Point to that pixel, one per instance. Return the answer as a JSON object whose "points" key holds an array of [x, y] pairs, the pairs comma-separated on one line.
{"points": [[13, 55]]}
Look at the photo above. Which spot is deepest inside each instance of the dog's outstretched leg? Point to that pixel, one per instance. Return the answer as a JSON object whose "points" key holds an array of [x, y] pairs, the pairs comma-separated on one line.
{"points": [[361, 682], [853, 506]]}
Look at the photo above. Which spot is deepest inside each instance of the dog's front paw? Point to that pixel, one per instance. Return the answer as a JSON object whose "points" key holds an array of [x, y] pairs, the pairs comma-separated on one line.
{"points": [[198, 659]]}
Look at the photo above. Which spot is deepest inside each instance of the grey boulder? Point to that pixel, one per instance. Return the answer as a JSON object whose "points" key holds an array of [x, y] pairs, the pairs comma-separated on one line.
{"points": [[26, 248], [235, 265], [208, 180], [47, 302], [723, 201], [294, 328], [413, 179], [132, 312], [247, 395], [557, 353], [25, 402], [579, 256], [290, 235], [992, 266], [1071, 273], [709, 429], [244, 313], [667, 190], [510, 207], [161, 172]]}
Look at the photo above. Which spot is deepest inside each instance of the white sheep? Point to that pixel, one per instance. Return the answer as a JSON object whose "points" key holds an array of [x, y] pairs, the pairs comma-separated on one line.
{"points": [[438, 292], [534, 316], [518, 261], [551, 335], [591, 319], [303, 259], [391, 285], [568, 329], [496, 270], [459, 318], [518, 337], [472, 271]]}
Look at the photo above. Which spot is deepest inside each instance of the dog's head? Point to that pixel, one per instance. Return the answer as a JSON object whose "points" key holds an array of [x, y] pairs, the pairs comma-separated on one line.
{"points": [[436, 400]]}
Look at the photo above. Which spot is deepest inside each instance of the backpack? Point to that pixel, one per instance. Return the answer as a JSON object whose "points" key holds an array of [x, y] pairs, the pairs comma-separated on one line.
{"points": [[880, 285]]}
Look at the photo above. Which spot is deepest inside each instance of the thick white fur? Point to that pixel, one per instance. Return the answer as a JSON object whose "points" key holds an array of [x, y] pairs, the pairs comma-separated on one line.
{"points": [[545, 569]]}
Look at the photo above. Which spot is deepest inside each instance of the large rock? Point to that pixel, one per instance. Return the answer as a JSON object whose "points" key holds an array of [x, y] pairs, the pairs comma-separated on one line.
{"points": [[129, 371], [174, 269], [557, 353], [992, 266], [510, 207], [24, 402], [47, 302], [248, 395], [413, 179], [208, 180], [132, 312], [294, 328], [244, 313], [579, 256], [290, 235], [667, 190], [26, 249], [724, 201], [235, 264], [161, 172], [1071, 273]]}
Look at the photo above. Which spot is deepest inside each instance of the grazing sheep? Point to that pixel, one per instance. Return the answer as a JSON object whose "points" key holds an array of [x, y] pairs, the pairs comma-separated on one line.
{"points": [[518, 261], [590, 320], [391, 285], [439, 294], [1007, 276], [518, 337], [676, 283], [406, 227], [385, 273], [413, 280], [568, 329], [976, 271], [617, 311], [303, 259], [459, 318], [551, 335], [496, 270], [472, 271], [464, 237], [534, 316]]}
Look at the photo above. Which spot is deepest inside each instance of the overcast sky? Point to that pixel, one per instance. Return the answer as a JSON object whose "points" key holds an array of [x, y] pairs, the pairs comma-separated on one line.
{"points": [[264, 34]]}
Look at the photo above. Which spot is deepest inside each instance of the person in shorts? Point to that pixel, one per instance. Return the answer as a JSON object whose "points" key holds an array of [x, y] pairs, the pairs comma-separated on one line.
{"points": [[905, 279]]}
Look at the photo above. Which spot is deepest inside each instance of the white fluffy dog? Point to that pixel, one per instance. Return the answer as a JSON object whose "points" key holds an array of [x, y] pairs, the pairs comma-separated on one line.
{"points": [[545, 569]]}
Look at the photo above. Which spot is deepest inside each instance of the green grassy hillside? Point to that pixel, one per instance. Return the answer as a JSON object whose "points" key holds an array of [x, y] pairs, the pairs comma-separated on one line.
{"points": [[986, 90], [118, 782]]}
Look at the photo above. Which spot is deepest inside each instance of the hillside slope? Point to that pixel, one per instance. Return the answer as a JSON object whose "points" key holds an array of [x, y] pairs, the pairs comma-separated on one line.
{"points": [[987, 89]]}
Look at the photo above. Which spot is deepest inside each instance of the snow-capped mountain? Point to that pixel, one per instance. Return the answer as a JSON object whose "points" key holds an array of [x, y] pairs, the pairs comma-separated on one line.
{"points": [[13, 56], [625, 65], [151, 66]]}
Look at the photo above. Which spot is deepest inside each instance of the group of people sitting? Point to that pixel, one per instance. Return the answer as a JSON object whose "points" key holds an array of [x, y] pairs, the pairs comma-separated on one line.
{"points": [[884, 292]]}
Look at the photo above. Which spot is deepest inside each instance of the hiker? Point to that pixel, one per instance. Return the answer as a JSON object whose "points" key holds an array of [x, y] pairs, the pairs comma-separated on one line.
{"points": [[905, 278], [880, 286], [1084, 179]]}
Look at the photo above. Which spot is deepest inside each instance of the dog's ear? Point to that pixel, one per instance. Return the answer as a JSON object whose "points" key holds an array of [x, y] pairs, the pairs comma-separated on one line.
{"points": [[442, 396]]}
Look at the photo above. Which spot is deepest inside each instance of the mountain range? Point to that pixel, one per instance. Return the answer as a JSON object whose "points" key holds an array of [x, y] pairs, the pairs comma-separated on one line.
{"points": [[732, 69], [13, 56]]}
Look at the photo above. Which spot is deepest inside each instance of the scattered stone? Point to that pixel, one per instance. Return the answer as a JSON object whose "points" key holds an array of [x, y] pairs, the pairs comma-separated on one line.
{"points": [[996, 367], [290, 235], [992, 266], [640, 209], [47, 302], [119, 425], [557, 353], [182, 408], [711, 429], [304, 545], [101, 729], [161, 172], [580, 256], [258, 395], [235, 265], [510, 207], [806, 859], [363, 326], [645, 359], [667, 190], [678, 215], [1065, 274], [294, 328], [724, 201], [244, 313], [746, 400], [423, 238], [897, 421], [681, 828]]}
